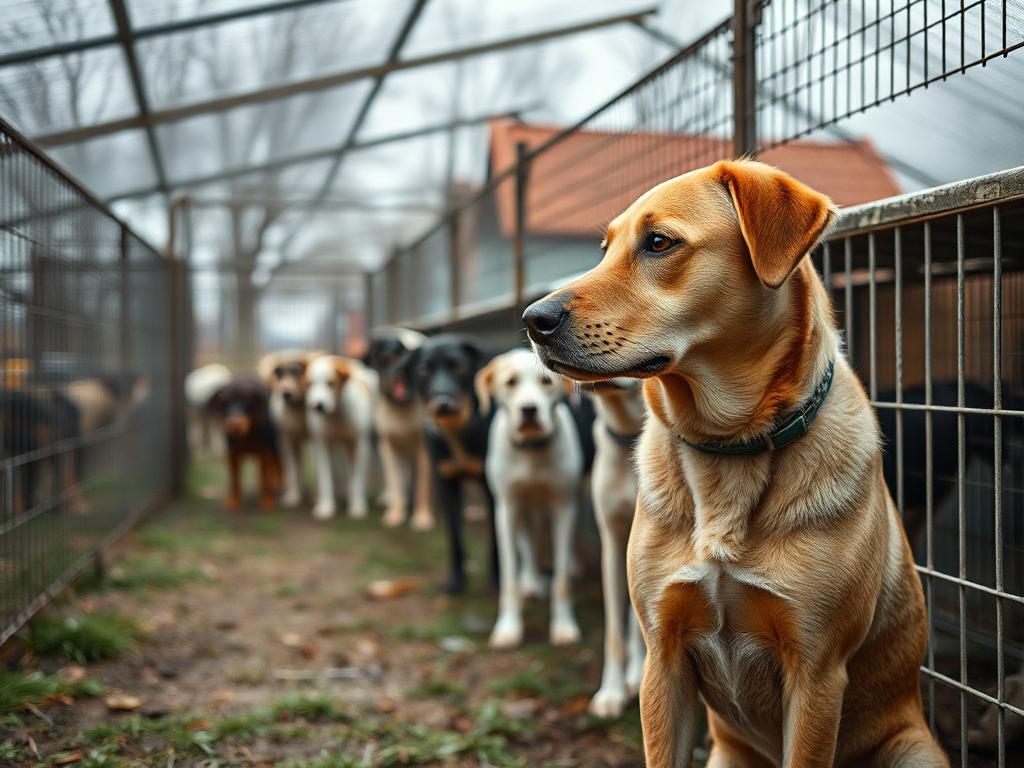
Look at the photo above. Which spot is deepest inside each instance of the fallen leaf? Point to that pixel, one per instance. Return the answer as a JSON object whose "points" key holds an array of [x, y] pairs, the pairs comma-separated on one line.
{"points": [[291, 639], [223, 697], [575, 706], [385, 706], [388, 589], [71, 757], [199, 725], [32, 746], [521, 709], [74, 673], [122, 702]]}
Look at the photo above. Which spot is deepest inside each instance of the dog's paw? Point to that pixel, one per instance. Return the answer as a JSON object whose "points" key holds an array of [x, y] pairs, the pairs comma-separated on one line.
{"points": [[291, 499], [268, 502], [565, 632], [609, 702], [358, 512], [394, 517], [324, 510], [507, 633], [423, 520]]}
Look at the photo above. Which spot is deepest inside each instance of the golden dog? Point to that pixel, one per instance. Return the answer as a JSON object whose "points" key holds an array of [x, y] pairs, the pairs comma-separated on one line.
{"points": [[767, 563]]}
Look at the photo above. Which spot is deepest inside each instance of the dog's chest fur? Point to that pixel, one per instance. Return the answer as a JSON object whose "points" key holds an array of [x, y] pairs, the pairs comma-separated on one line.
{"points": [[289, 419]]}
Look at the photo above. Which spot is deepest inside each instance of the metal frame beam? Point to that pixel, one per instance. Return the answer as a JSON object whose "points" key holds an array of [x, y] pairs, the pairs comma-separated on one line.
{"points": [[156, 30], [127, 42], [319, 154], [329, 81]]}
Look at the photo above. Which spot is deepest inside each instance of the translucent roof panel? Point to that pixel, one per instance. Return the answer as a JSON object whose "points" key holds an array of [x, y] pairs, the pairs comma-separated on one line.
{"points": [[29, 24], [448, 24], [255, 134], [267, 50], [146, 13], [110, 164], [61, 92]]}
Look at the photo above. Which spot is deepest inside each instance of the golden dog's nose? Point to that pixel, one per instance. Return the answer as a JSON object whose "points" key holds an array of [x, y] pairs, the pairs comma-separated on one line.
{"points": [[543, 319]]}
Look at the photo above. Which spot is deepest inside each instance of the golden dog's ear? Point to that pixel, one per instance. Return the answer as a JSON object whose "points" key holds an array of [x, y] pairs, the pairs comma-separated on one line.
{"points": [[483, 382], [342, 371], [780, 218]]}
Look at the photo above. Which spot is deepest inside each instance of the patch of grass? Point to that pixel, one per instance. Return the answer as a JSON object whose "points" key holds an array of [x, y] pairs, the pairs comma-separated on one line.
{"points": [[318, 707], [242, 726], [288, 590], [530, 681], [140, 573], [9, 751], [325, 760], [415, 745], [19, 688], [83, 639], [438, 688], [172, 540]]}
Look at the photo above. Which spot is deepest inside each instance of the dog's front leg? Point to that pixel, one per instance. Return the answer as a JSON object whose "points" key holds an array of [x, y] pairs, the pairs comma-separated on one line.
{"points": [[564, 630], [234, 498], [813, 702], [290, 459], [422, 513], [669, 710], [508, 629], [359, 464], [325, 507], [394, 483], [611, 696]]}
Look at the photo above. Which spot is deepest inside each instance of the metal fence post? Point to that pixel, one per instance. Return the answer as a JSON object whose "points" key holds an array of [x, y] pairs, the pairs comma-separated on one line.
{"points": [[368, 308], [745, 19], [519, 239], [454, 267], [392, 277]]}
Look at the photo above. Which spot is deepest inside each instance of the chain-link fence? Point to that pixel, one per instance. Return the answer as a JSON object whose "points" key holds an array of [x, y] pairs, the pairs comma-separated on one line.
{"points": [[90, 326]]}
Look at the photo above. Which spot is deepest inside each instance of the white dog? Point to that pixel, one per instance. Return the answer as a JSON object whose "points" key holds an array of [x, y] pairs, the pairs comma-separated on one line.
{"points": [[200, 386], [339, 403], [285, 374], [399, 421], [620, 418], [534, 461]]}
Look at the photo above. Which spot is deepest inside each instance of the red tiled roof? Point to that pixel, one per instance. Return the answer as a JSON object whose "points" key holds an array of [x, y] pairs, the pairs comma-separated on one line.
{"points": [[585, 180]]}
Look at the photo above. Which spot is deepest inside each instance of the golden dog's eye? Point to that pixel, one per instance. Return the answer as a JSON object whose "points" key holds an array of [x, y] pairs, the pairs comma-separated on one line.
{"points": [[511, 382], [546, 381], [658, 243]]}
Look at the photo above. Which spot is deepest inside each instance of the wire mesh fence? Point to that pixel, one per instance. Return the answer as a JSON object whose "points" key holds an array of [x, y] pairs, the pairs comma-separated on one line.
{"points": [[89, 321], [928, 288]]}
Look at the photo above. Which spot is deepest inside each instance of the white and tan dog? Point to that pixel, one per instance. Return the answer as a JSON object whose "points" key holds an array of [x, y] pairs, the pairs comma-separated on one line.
{"points": [[399, 422], [285, 374], [620, 418], [767, 562], [534, 461], [340, 395]]}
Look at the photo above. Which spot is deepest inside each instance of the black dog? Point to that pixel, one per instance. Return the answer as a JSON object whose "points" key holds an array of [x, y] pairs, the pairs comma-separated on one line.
{"points": [[979, 437], [442, 370], [244, 407], [34, 421]]}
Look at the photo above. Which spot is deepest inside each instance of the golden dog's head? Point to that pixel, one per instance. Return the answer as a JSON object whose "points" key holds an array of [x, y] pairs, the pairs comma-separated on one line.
{"points": [[698, 260]]}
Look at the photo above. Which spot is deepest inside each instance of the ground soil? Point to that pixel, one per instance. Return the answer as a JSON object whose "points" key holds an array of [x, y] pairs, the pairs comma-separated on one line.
{"points": [[261, 647]]}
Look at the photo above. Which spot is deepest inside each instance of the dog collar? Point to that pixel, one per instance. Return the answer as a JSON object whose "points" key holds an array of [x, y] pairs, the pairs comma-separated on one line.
{"points": [[625, 441], [794, 426]]}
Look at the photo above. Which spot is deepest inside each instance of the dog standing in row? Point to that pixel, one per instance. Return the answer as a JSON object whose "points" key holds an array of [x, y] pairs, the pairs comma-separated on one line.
{"points": [[285, 374], [767, 562], [620, 418], [243, 409], [399, 424], [443, 369], [339, 402], [534, 460]]}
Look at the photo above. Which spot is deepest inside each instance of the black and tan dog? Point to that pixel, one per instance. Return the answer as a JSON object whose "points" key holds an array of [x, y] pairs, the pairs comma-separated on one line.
{"points": [[243, 407], [456, 430]]}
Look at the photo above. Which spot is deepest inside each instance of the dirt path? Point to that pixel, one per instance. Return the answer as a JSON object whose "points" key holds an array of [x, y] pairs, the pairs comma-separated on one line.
{"points": [[259, 647]]}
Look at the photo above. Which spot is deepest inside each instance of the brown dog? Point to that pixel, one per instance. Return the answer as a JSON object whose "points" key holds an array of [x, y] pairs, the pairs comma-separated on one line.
{"points": [[767, 563]]}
